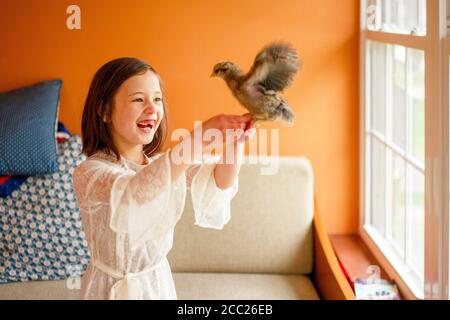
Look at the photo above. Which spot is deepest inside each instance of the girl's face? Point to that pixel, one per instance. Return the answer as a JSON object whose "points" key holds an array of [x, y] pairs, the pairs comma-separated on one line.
{"points": [[137, 111]]}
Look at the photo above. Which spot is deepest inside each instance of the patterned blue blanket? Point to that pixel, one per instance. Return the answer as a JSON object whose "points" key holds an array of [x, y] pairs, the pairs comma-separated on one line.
{"points": [[41, 232]]}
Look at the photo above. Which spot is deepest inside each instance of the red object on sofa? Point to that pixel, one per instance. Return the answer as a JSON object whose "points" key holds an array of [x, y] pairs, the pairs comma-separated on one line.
{"points": [[4, 178]]}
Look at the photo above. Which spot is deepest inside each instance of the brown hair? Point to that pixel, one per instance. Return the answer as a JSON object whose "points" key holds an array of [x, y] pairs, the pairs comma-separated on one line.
{"points": [[95, 133]]}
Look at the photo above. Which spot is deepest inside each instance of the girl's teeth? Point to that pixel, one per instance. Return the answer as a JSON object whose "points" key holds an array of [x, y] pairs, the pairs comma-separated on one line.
{"points": [[145, 125]]}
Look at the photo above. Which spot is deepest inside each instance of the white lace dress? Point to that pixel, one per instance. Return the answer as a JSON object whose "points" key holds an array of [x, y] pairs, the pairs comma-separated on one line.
{"points": [[129, 212]]}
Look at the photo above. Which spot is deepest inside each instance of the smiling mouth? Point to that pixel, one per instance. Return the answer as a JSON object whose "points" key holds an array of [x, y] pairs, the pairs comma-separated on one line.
{"points": [[147, 124]]}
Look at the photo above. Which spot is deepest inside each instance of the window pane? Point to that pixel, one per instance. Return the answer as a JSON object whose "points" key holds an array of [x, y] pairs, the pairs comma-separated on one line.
{"points": [[378, 180], [416, 96], [399, 97], [416, 216], [373, 15], [398, 222], [448, 17], [378, 86], [397, 16]]}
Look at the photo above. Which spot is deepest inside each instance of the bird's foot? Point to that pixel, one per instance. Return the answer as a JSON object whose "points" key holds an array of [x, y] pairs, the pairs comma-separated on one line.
{"points": [[256, 123]]}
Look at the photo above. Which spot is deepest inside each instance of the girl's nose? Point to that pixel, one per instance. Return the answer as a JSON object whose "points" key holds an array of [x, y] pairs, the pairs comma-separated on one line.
{"points": [[150, 107]]}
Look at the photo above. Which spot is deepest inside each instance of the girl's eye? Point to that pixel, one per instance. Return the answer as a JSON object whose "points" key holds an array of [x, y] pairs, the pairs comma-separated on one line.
{"points": [[158, 99], [138, 100]]}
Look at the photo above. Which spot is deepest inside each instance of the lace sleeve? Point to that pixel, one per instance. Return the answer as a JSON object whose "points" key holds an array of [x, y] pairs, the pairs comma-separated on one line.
{"points": [[211, 204], [144, 204], [190, 174]]}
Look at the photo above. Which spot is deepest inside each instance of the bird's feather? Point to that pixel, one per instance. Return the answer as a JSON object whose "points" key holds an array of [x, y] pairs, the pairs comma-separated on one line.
{"points": [[274, 67]]}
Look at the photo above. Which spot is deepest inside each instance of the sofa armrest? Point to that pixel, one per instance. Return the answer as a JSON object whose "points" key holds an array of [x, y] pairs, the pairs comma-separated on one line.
{"points": [[328, 276]]}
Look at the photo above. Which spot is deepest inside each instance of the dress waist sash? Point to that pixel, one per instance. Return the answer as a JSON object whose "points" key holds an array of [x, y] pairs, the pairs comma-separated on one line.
{"points": [[128, 287]]}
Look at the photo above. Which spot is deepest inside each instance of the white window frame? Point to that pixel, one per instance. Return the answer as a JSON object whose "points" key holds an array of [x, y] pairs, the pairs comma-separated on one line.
{"points": [[437, 51]]}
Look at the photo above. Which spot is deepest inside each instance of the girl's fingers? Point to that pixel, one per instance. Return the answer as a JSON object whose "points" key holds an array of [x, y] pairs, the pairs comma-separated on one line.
{"points": [[249, 125], [247, 135], [240, 124], [250, 132], [244, 118], [245, 126], [237, 125]]}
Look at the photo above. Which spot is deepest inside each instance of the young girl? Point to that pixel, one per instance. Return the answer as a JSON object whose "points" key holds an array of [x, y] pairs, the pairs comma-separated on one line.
{"points": [[131, 195]]}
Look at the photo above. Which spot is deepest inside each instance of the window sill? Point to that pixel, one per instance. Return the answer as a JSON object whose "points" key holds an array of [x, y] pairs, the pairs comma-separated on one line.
{"points": [[356, 257]]}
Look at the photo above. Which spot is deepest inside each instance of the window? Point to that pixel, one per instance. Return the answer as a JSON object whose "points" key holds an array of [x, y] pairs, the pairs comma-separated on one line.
{"points": [[404, 141], [397, 16]]}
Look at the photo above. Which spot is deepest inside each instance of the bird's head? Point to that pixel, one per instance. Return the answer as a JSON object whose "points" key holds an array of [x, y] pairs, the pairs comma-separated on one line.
{"points": [[225, 70]]}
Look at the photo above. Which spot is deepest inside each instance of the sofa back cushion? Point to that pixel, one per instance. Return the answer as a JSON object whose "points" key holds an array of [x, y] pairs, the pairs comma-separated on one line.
{"points": [[271, 226]]}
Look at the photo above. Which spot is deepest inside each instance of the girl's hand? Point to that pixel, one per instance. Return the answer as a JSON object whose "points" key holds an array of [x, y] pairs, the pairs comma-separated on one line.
{"points": [[249, 133], [223, 122]]}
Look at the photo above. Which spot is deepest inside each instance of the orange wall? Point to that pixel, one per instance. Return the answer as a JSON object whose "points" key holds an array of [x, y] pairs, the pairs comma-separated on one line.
{"points": [[183, 40]]}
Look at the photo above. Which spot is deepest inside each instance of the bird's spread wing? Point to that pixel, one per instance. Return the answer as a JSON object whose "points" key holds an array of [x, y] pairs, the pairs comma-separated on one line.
{"points": [[274, 67]]}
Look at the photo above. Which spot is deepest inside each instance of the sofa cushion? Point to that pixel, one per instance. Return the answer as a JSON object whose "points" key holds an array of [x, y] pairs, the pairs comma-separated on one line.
{"points": [[38, 290], [234, 286], [189, 286], [271, 226]]}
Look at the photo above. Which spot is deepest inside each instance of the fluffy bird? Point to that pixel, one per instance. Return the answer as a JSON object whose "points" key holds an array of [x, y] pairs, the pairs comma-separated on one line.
{"points": [[258, 91]]}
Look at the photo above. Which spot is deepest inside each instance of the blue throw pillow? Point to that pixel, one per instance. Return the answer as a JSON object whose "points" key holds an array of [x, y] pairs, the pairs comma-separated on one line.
{"points": [[8, 184], [28, 120]]}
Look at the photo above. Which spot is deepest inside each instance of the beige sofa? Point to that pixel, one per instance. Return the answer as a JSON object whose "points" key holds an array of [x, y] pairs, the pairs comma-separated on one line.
{"points": [[266, 251]]}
